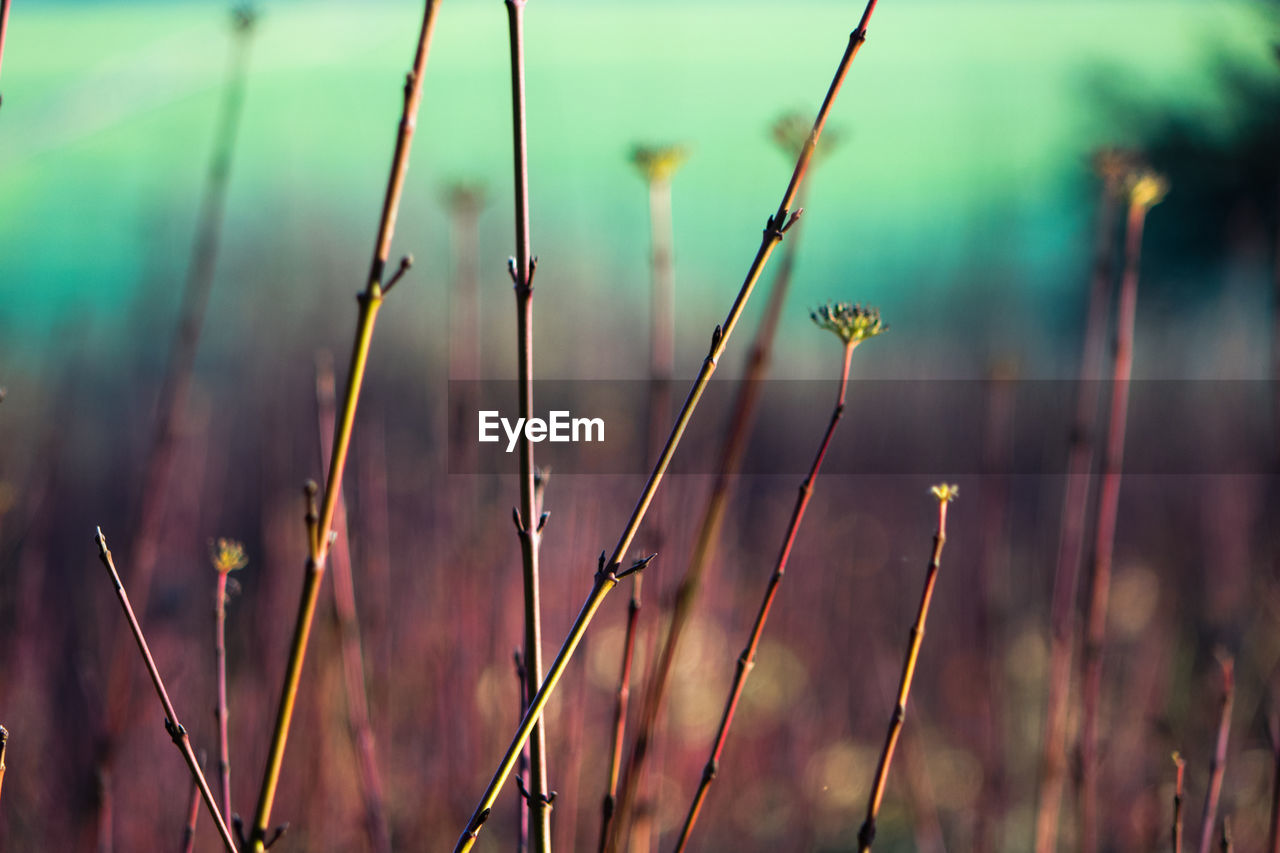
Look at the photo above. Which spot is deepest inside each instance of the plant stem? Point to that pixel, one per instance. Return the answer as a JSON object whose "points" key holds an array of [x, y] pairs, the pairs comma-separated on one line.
{"points": [[528, 523], [747, 660], [867, 834], [348, 625], [1105, 527], [220, 664], [522, 766], [621, 702], [193, 815], [171, 724], [1075, 504], [1179, 767], [370, 300], [1226, 843], [1273, 836], [4, 27], [607, 578], [1219, 761], [4, 745]]}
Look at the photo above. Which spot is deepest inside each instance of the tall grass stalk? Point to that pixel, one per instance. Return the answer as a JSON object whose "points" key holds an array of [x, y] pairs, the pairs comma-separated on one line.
{"points": [[370, 300], [1111, 166], [853, 325], [347, 622], [791, 132], [171, 724], [620, 705], [174, 389], [866, 835], [607, 576], [1145, 189], [1218, 763], [528, 521], [1179, 768]]}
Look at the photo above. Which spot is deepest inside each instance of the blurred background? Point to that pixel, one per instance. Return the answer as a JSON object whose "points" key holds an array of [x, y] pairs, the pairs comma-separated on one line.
{"points": [[958, 195]]}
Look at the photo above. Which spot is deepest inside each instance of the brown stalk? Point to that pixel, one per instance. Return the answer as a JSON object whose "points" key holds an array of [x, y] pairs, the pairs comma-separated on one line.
{"points": [[4, 28], [867, 834], [347, 622], [528, 522], [621, 701], [738, 430], [1145, 190], [176, 732], [1179, 767], [370, 301], [173, 396], [1218, 763], [747, 659], [607, 575], [1075, 504]]}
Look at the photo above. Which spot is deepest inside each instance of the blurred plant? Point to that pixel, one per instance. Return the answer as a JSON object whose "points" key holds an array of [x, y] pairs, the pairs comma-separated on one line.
{"points": [[608, 574], [529, 518], [866, 835], [193, 813], [227, 555], [1218, 763], [1112, 165], [621, 701], [1144, 190], [1179, 766], [852, 324], [4, 28], [347, 622], [176, 732], [370, 300], [464, 200], [4, 745], [171, 405], [790, 133]]}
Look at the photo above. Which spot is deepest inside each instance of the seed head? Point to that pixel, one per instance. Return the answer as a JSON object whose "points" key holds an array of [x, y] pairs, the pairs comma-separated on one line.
{"points": [[848, 321], [228, 555], [658, 162], [243, 17], [944, 492], [1147, 188]]}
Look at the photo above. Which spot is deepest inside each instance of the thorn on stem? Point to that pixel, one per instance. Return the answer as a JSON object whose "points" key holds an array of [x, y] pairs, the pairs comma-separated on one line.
{"points": [[276, 835], [717, 335], [542, 521], [638, 565], [406, 262], [517, 521], [513, 272]]}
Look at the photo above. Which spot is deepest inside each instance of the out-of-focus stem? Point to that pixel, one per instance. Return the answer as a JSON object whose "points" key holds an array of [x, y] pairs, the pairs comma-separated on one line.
{"points": [[1145, 191], [747, 659], [348, 623], [370, 300], [621, 701], [171, 724], [1179, 766], [193, 815], [220, 664], [607, 576], [1218, 763], [867, 834], [1075, 503], [4, 27]]}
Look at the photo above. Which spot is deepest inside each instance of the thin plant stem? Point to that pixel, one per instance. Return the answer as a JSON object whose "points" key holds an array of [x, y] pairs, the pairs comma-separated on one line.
{"points": [[1217, 765], [522, 767], [221, 711], [1273, 836], [1225, 845], [370, 300], [747, 659], [1146, 190], [4, 28], [528, 523], [1075, 504], [193, 816], [347, 621], [171, 724], [1179, 766], [867, 834], [621, 702], [607, 576], [171, 404], [4, 745]]}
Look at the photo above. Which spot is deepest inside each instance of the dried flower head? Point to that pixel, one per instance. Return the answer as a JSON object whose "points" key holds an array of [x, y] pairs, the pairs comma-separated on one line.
{"points": [[228, 555], [944, 492], [658, 162], [243, 17], [791, 131], [465, 197], [1147, 188], [1114, 164], [848, 321]]}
